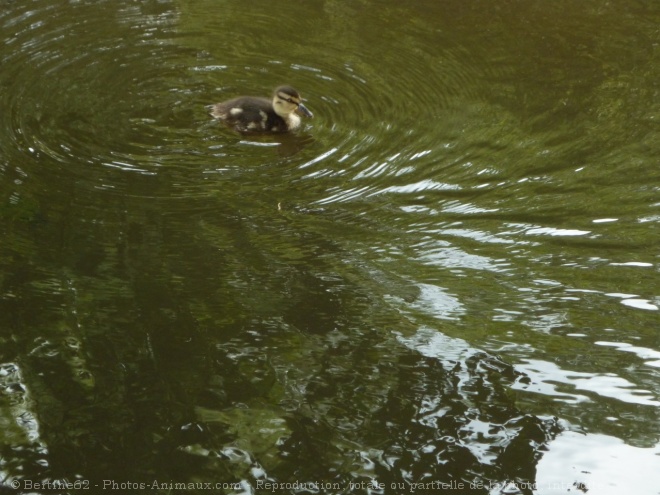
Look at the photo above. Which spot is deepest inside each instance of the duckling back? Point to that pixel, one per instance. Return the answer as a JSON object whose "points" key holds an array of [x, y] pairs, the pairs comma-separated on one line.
{"points": [[249, 114], [254, 114]]}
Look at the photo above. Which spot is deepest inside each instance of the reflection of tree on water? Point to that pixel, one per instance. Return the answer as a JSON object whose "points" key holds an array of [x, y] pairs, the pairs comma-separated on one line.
{"points": [[269, 354], [408, 419], [177, 303]]}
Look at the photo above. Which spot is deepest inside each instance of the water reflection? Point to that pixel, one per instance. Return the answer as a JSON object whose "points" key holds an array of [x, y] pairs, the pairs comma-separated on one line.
{"points": [[439, 279], [547, 378], [574, 456]]}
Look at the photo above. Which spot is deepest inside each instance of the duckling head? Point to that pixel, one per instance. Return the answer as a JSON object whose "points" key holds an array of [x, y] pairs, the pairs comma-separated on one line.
{"points": [[286, 101]]}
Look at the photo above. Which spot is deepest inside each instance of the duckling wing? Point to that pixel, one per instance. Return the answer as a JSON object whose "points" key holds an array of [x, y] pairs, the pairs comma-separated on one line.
{"points": [[249, 114], [243, 108]]}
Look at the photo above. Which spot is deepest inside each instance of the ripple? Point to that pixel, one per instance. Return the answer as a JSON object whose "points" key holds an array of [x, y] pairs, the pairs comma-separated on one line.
{"points": [[369, 126], [574, 461], [650, 356], [70, 89], [549, 379], [375, 131], [640, 304]]}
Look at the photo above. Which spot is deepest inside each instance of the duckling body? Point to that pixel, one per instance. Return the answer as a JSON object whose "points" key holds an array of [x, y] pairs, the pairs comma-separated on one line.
{"points": [[255, 114]]}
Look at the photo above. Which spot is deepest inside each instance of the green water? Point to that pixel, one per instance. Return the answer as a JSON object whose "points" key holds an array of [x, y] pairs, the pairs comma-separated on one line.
{"points": [[445, 282]]}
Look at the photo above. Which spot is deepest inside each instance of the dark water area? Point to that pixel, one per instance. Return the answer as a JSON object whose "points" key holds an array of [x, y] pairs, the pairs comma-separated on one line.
{"points": [[446, 282]]}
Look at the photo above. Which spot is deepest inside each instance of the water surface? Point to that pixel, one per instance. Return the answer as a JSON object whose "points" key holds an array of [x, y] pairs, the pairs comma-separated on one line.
{"points": [[447, 278]]}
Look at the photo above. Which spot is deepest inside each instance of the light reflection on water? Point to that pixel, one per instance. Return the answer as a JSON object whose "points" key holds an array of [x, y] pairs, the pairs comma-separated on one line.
{"points": [[549, 379], [414, 280], [577, 456]]}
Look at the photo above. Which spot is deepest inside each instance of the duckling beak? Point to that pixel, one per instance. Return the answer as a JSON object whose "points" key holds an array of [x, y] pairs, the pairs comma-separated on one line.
{"points": [[304, 111]]}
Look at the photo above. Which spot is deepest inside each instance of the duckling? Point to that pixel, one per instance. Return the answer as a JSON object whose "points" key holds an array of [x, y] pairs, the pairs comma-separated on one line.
{"points": [[255, 114]]}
